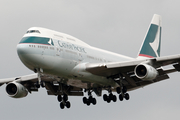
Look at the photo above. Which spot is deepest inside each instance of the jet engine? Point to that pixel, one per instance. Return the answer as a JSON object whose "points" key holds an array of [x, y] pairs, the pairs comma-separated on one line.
{"points": [[16, 90], [145, 72]]}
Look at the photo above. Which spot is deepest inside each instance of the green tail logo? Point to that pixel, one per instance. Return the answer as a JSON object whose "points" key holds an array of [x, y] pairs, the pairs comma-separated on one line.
{"points": [[152, 42]]}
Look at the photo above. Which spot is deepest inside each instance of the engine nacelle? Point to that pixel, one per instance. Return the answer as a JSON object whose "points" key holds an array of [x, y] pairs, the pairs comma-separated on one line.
{"points": [[16, 90], [145, 72]]}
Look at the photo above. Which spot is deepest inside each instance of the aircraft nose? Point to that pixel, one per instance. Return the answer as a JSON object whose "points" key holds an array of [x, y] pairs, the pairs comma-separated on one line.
{"points": [[22, 49], [27, 54], [24, 52], [26, 49], [33, 57]]}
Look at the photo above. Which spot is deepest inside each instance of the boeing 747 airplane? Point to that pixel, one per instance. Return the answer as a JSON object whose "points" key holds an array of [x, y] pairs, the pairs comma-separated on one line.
{"points": [[66, 66]]}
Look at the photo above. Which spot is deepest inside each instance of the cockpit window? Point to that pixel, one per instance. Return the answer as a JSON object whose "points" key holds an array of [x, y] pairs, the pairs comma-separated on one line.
{"points": [[33, 31]]}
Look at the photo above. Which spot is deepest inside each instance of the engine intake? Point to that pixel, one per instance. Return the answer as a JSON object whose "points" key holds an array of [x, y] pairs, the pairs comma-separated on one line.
{"points": [[16, 90], [145, 72]]}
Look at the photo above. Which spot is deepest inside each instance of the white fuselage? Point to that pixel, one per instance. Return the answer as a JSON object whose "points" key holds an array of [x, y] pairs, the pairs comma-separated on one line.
{"points": [[64, 57]]}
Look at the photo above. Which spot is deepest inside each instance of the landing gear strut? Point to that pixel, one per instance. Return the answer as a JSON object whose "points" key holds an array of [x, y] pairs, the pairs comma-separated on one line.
{"points": [[39, 83]]}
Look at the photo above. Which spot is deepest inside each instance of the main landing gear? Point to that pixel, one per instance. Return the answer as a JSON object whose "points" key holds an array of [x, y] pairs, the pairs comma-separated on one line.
{"points": [[110, 97], [64, 101], [122, 91], [90, 99]]}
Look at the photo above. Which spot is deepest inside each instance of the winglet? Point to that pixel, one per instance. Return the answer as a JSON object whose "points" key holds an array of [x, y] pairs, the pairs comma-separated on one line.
{"points": [[152, 41]]}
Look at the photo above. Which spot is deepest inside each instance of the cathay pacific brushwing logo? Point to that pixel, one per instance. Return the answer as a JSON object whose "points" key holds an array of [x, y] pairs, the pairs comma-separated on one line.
{"points": [[50, 42], [155, 44]]}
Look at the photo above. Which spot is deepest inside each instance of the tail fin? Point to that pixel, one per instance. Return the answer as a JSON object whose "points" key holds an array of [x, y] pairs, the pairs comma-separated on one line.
{"points": [[152, 42]]}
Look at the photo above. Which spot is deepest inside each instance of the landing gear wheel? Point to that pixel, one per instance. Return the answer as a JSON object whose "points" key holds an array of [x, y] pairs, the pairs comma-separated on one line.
{"points": [[105, 97], [37, 84], [59, 98], [118, 90], [121, 97], [124, 90], [62, 105], [68, 104], [84, 100], [126, 96], [90, 99], [65, 97], [94, 101], [110, 96], [108, 100], [114, 98], [42, 84], [88, 102]]}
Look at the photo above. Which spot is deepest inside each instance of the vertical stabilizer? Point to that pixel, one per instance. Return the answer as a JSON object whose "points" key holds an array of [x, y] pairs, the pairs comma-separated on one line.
{"points": [[152, 41]]}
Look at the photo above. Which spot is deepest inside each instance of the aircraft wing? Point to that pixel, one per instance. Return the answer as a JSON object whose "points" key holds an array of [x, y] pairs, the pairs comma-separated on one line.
{"points": [[126, 69], [51, 84], [109, 70], [30, 77]]}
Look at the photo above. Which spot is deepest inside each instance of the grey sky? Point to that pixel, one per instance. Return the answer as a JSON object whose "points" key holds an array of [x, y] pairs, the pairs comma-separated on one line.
{"points": [[118, 26]]}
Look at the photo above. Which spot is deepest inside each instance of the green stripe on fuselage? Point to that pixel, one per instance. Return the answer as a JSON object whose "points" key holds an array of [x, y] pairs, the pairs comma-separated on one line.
{"points": [[151, 35], [37, 40]]}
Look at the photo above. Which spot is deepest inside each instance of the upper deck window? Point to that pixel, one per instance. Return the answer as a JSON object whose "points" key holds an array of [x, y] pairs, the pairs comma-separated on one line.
{"points": [[33, 31]]}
